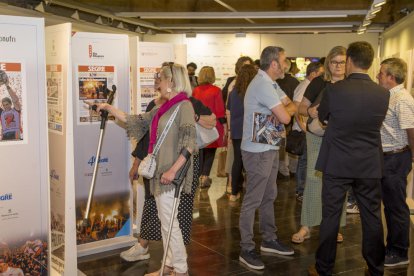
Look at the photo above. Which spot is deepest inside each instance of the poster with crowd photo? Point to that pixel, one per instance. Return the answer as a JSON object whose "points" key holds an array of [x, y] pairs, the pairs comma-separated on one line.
{"points": [[12, 109], [301, 63], [147, 80], [93, 84], [54, 80]]}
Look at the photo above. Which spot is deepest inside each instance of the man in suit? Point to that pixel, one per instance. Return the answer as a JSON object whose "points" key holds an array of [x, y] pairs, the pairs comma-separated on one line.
{"points": [[351, 156]]}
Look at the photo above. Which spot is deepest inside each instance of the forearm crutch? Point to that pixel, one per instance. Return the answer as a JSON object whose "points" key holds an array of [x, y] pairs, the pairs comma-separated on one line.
{"points": [[104, 118], [177, 182]]}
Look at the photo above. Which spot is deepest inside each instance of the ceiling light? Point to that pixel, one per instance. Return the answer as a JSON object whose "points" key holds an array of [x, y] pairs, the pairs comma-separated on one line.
{"points": [[40, 7], [360, 32], [75, 15], [379, 3], [240, 34], [369, 16], [363, 29], [376, 10], [366, 23], [242, 15]]}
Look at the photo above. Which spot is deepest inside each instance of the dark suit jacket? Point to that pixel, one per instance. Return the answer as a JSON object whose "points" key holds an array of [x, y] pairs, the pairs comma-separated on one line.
{"points": [[355, 109]]}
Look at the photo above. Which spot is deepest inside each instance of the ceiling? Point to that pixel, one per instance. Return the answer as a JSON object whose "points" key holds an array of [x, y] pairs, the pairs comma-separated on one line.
{"points": [[227, 16]]}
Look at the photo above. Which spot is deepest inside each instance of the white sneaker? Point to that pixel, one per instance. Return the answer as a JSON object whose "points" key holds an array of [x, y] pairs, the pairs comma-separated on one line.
{"points": [[135, 253], [352, 208]]}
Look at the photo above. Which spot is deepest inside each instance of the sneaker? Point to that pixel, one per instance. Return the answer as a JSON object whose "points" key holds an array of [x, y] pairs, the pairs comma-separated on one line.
{"points": [[234, 197], [275, 246], [352, 208], [251, 259], [394, 260], [135, 253]]}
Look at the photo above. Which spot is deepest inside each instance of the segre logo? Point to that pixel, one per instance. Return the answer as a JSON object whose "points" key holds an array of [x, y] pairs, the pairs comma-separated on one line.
{"points": [[6, 197], [90, 51], [93, 54]]}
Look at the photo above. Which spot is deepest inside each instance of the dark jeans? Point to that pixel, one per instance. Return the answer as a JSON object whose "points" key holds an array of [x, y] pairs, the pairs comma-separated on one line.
{"points": [[207, 160], [368, 195], [397, 214], [301, 172], [236, 171]]}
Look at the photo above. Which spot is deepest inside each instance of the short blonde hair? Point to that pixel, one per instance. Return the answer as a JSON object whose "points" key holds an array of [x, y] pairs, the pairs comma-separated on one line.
{"points": [[335, 51], [179, 76], [206, 75]]}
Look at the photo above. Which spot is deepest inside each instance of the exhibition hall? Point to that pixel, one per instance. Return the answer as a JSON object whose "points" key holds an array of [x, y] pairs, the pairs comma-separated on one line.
{"points": [[206, 137]]}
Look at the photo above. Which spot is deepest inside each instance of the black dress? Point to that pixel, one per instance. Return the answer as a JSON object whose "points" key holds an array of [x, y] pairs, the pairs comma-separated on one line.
{"points": [[150, 223]]}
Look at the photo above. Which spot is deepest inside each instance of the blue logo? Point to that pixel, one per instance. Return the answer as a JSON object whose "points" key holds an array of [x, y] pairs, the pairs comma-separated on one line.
{"points": [[92, 160], [6, 197], [54, 175]]}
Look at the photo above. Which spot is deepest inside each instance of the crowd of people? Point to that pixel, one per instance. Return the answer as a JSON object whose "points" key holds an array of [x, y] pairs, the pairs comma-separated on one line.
{"points": [[358, 144]]}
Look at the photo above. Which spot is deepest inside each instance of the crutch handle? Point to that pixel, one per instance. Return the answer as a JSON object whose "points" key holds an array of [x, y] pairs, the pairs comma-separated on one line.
{"points": [[179, 177]]}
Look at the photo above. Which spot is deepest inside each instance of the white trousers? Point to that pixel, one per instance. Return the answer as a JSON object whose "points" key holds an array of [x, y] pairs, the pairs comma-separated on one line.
{"points": [[177, 254]]}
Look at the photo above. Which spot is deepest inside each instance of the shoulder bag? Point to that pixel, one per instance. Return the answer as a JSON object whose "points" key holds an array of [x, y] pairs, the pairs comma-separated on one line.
{"points": [[148, 165]]}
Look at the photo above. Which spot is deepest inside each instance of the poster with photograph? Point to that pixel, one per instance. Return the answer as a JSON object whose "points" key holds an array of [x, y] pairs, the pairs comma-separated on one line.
{"points": [[12, 109], [301, 63], [93, 84], [147, 79], [54, 79], [267, 130]]}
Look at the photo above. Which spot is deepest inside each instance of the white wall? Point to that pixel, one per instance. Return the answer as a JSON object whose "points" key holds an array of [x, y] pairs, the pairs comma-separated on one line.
{"points": [[398, 38], [294, 44]]}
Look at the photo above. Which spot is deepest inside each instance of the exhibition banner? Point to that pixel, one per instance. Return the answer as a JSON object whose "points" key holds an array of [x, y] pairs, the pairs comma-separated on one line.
{"points": [[95, 69], [150, 57], [24, 195], [61, 160]]}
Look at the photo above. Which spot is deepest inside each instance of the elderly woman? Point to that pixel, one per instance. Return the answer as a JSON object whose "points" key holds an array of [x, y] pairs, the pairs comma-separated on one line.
{"points": [[312, 196], [179, 144]]}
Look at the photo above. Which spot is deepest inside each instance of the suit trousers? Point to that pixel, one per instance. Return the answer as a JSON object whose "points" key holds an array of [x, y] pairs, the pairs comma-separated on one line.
{"points": [[261, 192], [397, 214], [367, 192]]}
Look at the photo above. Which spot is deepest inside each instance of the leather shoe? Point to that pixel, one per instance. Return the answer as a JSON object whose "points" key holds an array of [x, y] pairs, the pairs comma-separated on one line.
{"points": [[312, 271]]}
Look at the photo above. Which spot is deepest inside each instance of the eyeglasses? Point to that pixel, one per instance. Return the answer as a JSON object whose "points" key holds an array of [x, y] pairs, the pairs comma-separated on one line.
{"points": [[157, 75], [336, 63]]}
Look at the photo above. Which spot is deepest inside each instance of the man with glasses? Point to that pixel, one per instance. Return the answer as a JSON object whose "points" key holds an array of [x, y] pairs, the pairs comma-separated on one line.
{"points": [[351, 156], [261, 161], [397, 136]]}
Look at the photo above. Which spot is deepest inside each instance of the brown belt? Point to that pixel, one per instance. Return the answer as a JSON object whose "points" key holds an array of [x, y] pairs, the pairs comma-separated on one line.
{"points": [[397, 150]]}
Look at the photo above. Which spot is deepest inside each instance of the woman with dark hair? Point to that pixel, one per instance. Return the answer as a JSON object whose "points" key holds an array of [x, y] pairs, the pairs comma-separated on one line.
{"points": [[235, 113]]}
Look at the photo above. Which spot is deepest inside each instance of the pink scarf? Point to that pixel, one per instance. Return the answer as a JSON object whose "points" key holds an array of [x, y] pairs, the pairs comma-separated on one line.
{"points": [[182, 96]]}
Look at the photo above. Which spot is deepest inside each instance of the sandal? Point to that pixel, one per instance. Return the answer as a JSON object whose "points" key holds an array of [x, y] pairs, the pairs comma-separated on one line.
{"points": [[168, 270], [339, 238], [302, 235]]}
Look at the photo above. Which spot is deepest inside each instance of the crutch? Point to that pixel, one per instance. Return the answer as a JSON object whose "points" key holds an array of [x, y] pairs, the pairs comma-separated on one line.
{"points": [[104, 118], [178, 180]]}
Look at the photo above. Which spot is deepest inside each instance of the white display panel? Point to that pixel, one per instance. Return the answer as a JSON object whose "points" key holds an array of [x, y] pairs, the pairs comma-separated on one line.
{"points": [[93, 57], [61, 157], [24, 197]]}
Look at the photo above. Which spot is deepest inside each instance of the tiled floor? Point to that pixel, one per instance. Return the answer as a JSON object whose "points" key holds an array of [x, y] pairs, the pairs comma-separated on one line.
{"points": [[214, 249]]}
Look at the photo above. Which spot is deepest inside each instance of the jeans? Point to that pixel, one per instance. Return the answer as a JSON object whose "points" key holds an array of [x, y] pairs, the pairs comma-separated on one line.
{"points": [[301, 172]]}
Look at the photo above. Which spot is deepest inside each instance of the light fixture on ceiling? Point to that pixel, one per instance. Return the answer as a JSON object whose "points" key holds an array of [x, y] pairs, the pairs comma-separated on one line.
{"points": [[375, 10], [151, 32], [139, 30], [366, 23], [121, 26], [75, 15], [241, 34], [40, 7], [99, 20], [379, 3]]}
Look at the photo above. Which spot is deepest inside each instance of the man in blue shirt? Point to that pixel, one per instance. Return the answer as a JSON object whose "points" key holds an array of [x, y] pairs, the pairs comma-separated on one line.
{"points": [[262, 160]]}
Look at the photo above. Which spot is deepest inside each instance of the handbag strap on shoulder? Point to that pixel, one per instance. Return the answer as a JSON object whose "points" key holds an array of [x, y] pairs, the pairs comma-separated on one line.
{"points": [[165, 131]]}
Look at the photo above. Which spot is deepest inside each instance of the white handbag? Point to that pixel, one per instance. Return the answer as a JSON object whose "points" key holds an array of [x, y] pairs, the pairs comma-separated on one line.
{"points": [[205, 136], [148, 164]]}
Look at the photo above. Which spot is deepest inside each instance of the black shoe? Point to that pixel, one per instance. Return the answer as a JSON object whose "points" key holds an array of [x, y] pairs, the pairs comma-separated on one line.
{"points": [[251, 259], [282, 177], [392, 259], [275, 246]]}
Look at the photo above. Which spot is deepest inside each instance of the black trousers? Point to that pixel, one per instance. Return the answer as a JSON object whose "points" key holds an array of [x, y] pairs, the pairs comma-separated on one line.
{"points": [[397, 214], [368, 196], [207, 160], [237, 168]]}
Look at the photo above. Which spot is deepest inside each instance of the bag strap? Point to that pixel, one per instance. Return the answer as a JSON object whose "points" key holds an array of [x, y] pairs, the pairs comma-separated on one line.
{"points": [[165, 131]]}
